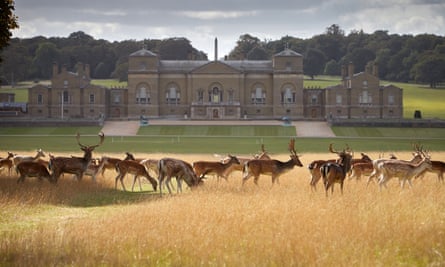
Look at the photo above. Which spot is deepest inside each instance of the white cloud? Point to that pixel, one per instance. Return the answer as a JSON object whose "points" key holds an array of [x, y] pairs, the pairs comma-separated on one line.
{"points": [[210, 15]]}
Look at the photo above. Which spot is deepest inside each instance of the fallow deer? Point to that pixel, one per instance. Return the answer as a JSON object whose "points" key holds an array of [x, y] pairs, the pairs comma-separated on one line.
{"points": [[7, 163], [272, 167], [335, 172], [314, 170], [125, 167], [32, 169], [405, 171], [170, 167], [74, 165], [203, 168], [19, 158], [111, 162], [94, 168], [242, 161]]}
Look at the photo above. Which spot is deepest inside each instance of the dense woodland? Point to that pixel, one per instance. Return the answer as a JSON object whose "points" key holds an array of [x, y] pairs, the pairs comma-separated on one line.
{"points": [[403, 58]]}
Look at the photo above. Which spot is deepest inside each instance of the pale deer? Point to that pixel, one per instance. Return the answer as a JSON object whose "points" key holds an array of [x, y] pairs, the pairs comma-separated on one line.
{"points": [[94, 168], [170, 167], [202, 168], [335, 172], [125, 167], [151, 165], [405, 171], [32, 169], [360, 169], [7, 163], [74, 165], [19, 158], [272, 167]]}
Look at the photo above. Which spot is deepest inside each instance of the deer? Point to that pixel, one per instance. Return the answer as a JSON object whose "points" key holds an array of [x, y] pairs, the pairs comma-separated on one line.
{"points": [[125, 167], [377, 163], [19, 158], [74, 165], [203, 168], [437, 167], [273, 167], [111, 162], [335, 172], [314, 170], [405, 171], [93, 169], [7, 163], [170, 167], [33, 169]]}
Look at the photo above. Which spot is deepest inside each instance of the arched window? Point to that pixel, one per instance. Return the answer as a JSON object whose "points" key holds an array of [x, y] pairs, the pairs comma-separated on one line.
{"points": [[142, 95], [258, 96], [288, 96], [216, 95], [172, 95]]}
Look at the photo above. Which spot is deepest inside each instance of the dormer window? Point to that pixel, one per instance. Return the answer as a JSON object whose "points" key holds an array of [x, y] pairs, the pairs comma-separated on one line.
{"points": [[65, 83], [365, 84], [142, 65]]}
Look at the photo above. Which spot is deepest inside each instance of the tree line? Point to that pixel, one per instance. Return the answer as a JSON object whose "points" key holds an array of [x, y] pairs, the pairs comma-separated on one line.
{"points": [[402, 58]]}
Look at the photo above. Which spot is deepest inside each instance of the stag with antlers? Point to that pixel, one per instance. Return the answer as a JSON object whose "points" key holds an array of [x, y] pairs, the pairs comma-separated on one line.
{"points": [[335, 172], [272, 167], [74, 165]]}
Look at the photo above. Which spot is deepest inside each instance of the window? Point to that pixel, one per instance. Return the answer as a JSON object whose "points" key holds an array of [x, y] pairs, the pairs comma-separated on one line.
{"points": [[391, 100], [143, 96], [288, 96], [216, 95], [365, 98], [65, 97], [172, 96], [142, 65], [258, 96], [314, 99], [39, 99], [200, 96], [65, 83], [365, 84], [230, 100], [116, 98], [92, 98], [338, 99]]}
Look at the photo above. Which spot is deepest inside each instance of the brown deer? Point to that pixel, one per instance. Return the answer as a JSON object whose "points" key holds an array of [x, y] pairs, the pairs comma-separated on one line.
{"points": [[203, 168], [405, 171], [170, 167], [335, 172], [314, 170], [272, 167], [125, 167], [32, 169], [242, 161], [19, 158], [94, 168], [74, 165], [7, 163], [111, 162]]}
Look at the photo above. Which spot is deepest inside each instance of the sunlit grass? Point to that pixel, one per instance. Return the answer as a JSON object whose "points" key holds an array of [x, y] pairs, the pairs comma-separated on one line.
{"points": [[82, 224]]}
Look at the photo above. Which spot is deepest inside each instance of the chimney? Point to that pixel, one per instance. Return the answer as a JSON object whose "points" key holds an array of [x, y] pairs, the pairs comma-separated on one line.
{"points": [[343, 72], [216, 49], [350, 70], [375, 70], [87, 70], [55, 69]]}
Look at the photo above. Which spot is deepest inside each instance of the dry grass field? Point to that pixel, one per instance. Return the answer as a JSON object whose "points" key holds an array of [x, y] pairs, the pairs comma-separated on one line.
{"points": [[223, 224]]}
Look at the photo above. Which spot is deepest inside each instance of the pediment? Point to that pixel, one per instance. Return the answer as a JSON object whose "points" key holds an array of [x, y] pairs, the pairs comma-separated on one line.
{"points": [[215, 67]]}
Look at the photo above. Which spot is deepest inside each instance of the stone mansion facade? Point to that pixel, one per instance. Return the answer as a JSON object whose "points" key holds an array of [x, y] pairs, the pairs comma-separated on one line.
{"points": [[214, 90]]}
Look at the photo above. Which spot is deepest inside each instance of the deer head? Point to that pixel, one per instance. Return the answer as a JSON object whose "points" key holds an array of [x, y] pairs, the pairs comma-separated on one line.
{"points": [[92, 147], [293, 154]]}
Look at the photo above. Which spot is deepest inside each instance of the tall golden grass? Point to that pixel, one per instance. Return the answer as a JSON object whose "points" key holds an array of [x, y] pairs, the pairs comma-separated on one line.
{"points": [[223, 224]]}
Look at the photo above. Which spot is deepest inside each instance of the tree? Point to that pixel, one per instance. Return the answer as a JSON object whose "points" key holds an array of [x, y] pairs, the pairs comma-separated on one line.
{"points": [[332, 68], [314, 62], [46, 55], [244, 44], [8, 22], [431, 70], [258, 53]]}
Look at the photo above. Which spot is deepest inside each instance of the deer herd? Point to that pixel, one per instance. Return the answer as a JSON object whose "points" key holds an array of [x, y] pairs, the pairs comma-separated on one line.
{"points": [[330, 171]]}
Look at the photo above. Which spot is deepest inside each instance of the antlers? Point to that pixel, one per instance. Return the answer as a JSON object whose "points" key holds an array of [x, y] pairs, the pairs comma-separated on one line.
{"points": [[102, 138], [292, 147]]}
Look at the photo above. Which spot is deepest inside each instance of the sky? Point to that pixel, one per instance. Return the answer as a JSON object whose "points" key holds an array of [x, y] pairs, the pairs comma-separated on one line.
{"points": [[201, 21]]}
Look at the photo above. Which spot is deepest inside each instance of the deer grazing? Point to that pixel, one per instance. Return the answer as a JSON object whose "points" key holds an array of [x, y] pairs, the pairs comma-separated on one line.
{"points": [[272, 167], [32, 169], [74, 165], [405, 171], [7, 163], [170, 167], [335, 172], [111, 162], [203, 168], [125, 167]]}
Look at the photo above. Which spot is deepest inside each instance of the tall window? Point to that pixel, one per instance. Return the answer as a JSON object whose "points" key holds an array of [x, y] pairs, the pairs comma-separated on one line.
{"points": [[172, 96], [365, 98], [200, 95], [40, 99], [116, 98], [258, 96], [288, 96], [65, 97], [230, 100], [143, 96], [216, 95], [338, 99], [391, 100], [92, 98]]}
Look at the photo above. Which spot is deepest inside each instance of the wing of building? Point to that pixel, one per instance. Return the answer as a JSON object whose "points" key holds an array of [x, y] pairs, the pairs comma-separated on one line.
{"points": [[216, 90]]}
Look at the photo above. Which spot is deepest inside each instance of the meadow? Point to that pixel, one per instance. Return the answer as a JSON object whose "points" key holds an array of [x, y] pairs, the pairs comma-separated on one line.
{"points": [[223, 223]]}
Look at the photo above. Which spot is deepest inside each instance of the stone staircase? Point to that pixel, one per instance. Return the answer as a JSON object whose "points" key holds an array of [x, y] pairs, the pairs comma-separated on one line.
{"points": [[120, 128]]}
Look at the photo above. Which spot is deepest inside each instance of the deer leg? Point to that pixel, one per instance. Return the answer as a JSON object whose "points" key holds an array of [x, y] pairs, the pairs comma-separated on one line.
{"points": [[341, 187], [134, 181], [178, 185], [167, 183], [246, 176], [256, 178]]}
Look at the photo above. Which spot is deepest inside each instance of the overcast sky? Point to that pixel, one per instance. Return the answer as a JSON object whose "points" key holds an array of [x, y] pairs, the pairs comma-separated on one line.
{"points": [[200, 21]]}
